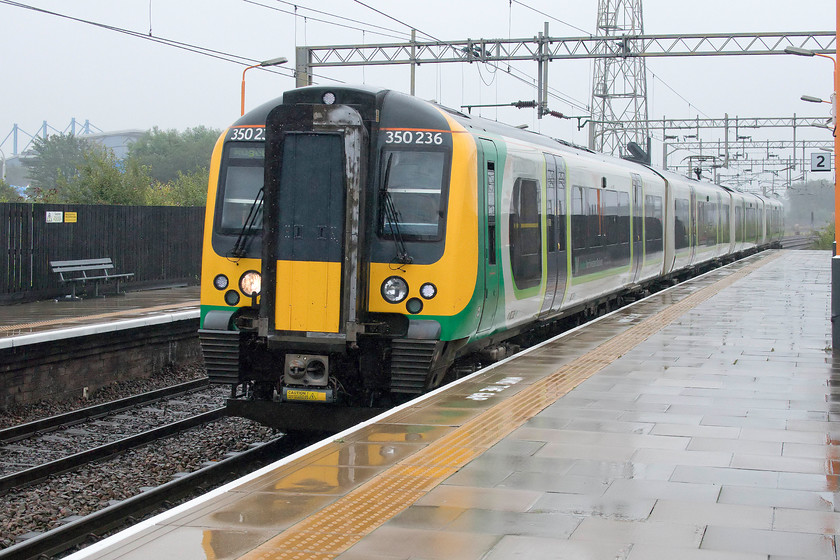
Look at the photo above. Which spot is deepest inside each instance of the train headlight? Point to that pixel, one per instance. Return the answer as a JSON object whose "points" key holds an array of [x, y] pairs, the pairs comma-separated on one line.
{"points": [[220, 281], [394, 289], [428, 290], [328, 98], [250, 283]]}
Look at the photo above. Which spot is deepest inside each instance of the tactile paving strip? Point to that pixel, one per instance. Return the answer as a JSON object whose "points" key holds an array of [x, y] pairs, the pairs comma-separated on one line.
{"points": [[337, 527]]}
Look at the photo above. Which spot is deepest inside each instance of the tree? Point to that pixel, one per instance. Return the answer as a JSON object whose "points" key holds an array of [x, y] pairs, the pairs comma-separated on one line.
{"points": [[54, 158], [186, 190], [9, 193], [103, 179], [168, 152]]}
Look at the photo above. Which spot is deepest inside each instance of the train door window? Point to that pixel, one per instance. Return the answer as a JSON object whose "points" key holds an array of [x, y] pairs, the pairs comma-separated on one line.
{"points": [[681, 223], [561, 203], [491, 211], [415, 186], [243, 178], [653, 224], [526, 233], [550, 203], [594, 211], [739, 223], [724, 223]]}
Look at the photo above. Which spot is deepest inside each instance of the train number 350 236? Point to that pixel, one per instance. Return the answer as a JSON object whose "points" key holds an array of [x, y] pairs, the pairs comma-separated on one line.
{"points": [[413, 137], [249, 133]]}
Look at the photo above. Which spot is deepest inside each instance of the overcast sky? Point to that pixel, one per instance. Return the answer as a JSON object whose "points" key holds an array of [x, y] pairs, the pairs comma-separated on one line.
{"points": [[55, 69]]}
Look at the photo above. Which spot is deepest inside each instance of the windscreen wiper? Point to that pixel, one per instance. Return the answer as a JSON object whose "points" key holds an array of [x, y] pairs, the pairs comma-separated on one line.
{"points": [[392, 217], [245, 234]]}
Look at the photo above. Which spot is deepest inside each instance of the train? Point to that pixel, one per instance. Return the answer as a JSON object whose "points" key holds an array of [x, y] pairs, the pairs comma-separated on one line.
{"points": [[363, 246]]}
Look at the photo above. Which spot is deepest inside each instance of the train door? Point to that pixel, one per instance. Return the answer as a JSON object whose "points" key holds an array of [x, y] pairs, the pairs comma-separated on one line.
{"points": [[311, 224], [638, 226], [555, 173], [488, 160]]}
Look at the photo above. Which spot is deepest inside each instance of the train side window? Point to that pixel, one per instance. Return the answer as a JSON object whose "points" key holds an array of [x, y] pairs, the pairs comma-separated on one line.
{"points": [[610, 199], [624, 220], [681, 228], [724, 224], [578, 219], [739, 223], [653, 223], [526, 233]]}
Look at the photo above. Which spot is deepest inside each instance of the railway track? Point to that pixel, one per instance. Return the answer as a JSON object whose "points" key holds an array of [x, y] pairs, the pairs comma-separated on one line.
{"points": [[133, 509], [798, 242], [68, 441], [43, 425]]}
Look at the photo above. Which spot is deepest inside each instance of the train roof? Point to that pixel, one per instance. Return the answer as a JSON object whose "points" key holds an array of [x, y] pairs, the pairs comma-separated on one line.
{"points": [[365, 94]]}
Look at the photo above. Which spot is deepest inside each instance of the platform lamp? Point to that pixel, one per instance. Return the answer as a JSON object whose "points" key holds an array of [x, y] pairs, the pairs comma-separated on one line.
{"points": [[835, 260], [271, 62]]}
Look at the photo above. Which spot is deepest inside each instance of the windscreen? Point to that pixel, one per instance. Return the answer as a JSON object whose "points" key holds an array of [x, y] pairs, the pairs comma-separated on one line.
{"points": [[415, 184], [241, 180]]}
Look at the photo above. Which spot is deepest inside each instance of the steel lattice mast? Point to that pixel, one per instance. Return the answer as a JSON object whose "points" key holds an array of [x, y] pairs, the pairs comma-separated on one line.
{"points": [[619, 88]]}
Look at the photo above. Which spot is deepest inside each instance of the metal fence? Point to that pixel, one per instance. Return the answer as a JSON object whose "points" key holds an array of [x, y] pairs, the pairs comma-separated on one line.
{"points": [[161, 245]]}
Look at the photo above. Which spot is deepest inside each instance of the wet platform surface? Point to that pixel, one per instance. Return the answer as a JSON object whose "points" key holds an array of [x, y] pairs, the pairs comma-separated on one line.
{"points": [[27, 322], [700, 423]]}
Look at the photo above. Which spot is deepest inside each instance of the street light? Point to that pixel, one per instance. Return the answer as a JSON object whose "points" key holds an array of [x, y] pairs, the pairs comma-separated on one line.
{"points": [[271, 62], [835, 260], [812, 99]]}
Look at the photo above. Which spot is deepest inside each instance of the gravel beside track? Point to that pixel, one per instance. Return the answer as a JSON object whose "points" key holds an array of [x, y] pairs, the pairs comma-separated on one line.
{"points": [[45, 505]]}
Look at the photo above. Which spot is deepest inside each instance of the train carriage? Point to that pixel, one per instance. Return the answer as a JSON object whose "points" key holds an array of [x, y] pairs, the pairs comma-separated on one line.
{"points": [[363, 246]]}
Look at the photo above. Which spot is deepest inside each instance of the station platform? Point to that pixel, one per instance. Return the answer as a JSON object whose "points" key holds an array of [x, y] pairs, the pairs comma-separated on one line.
{"points": [[699, 423], [31, 323]]}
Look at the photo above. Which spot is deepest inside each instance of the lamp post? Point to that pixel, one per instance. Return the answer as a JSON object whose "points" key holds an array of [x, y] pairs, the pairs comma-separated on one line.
{"points": [[270, 62], [835, 260]]}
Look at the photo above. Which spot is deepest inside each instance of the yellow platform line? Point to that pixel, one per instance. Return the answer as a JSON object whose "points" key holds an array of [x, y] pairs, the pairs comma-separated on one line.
{"points": [[338, 526], [74, 319]]}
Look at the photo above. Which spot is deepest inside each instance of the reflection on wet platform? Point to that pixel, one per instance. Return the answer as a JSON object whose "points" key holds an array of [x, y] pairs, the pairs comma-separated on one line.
{"points": [[665, 430]]}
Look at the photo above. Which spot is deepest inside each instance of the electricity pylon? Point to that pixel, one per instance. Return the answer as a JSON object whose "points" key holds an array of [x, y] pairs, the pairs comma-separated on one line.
{"points": [[619, 88]]}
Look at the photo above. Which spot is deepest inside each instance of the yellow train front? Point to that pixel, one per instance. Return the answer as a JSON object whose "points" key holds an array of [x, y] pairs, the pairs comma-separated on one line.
{"points": [[340, 255]]}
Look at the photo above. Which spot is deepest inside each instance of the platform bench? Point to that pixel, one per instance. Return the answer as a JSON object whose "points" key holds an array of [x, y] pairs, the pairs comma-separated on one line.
{"points": [[95, 271]]}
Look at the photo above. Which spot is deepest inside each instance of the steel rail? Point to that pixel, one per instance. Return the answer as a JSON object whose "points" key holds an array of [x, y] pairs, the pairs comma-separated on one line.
{"points": [[76, 460], [799, 242], [53, 422], [63, 538]]}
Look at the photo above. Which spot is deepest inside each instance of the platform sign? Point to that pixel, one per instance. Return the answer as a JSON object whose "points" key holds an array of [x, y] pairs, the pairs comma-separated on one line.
{"points": [[820, 161], [55, 217]]}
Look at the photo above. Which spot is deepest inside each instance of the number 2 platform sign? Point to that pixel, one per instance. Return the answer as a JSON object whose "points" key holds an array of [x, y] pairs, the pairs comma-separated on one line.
{"points": [[820, 162]]}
